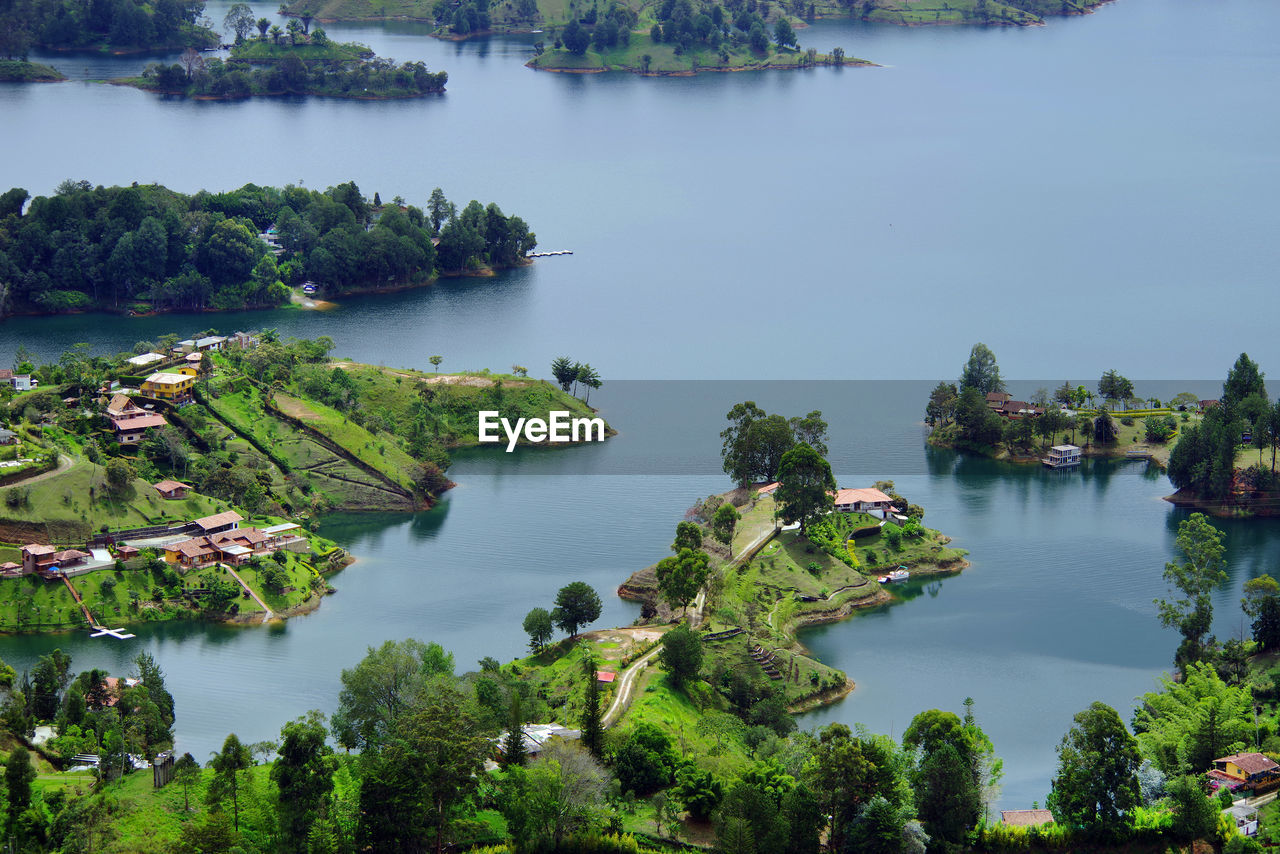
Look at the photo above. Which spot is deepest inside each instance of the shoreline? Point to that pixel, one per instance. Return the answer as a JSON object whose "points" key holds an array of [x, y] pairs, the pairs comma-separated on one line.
{"points": [[693, 72], [322, 303], [129, 83]]}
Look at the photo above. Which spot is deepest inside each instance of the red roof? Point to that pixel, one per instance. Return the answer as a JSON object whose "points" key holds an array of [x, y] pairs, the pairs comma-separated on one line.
{"points": [[37, 549], [169, 485], [142, 422], [605, 676], [1249, 763], [1026, 818], [866, 496]]}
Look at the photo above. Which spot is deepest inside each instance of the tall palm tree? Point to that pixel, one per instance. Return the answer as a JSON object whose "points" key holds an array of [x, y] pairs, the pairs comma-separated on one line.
{"points": [[276, 33]]}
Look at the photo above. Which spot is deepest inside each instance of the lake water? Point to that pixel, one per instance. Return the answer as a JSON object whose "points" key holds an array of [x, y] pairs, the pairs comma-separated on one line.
{"points": [[1092, 194]]}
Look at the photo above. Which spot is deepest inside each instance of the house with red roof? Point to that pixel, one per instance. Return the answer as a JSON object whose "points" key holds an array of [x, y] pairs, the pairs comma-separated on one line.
{"points": [[862, 501], [1245, 771]]}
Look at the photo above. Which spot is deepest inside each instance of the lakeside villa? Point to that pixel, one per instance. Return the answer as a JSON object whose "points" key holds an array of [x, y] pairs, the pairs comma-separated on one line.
{"points": [[849, 500]]}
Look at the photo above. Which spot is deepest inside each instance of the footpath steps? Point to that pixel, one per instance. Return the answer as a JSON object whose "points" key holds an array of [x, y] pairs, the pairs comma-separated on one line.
{"points": [[766, 660]]}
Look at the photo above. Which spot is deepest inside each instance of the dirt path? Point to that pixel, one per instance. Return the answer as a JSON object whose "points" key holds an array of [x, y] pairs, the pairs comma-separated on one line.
{"points": [[64, 463], [696, 615], [270, 615], [622, 697]]}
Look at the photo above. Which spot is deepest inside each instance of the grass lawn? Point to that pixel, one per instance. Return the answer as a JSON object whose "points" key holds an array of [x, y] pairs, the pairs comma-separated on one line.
{"points": [[663, 58], [78, 496], [300, 575], [265, 50], [379, 452]]}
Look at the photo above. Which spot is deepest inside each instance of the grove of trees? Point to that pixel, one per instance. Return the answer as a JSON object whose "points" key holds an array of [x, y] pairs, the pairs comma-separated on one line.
{"points": [[119, 247]]}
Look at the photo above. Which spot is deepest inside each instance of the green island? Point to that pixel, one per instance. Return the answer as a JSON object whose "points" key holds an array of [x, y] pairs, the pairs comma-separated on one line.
{"points": [[674, 734], [146, 248], [110, 464], [102, 27], [526, 15], [21, 71], [1207, 447], [301, 61]]}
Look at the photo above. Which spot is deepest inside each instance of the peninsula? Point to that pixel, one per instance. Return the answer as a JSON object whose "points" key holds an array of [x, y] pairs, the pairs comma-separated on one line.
{"points": [[191, 480], [22, 71], [978, 415], [146, 248]]}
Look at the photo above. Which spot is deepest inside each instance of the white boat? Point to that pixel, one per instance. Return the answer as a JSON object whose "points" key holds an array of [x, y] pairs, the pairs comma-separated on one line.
{"points": [[899, 574]]}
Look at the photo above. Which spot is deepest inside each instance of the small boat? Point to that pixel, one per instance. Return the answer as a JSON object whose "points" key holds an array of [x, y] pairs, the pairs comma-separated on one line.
{"points": [[899, 574]]}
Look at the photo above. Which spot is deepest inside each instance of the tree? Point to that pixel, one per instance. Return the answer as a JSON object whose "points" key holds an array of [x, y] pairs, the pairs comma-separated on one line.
{"points": [[186, 771], [239, 20], [537, 624], [941, 408], [386, 684], [1195, 816], [954, 765], [556, 797], [1261, 603], [805, 485], [1096, 787], [811, 429], [592, 722], [1244, 380], [590, 378], [226, 766], [981, 372], [576, 38], [1185, 725], [1196, 576], [681, 654], [263, 25], [49, 678], [514, 753], [1104, 428], [976, 422], [723, 524], [644, 761], [119, 475], [753, 445], [417, 785], [303, 772], [577, 605], [435, 362], [783, 34], [1114, 387], [565, 371], [688, 536], [19, 774], [681, 576]]}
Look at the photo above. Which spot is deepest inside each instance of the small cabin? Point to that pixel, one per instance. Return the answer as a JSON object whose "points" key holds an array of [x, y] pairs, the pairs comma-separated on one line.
{"points": [[171, 490]]}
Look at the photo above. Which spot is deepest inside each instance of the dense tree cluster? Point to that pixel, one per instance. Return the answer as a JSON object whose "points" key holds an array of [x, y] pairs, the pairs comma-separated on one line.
{"points": [[101, 23], [113, 247], [1204, 460], [715, 25], [354, 78]]}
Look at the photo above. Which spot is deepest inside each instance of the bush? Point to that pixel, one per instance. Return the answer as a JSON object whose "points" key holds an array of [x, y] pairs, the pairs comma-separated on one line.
{"points": [[892, 535]]}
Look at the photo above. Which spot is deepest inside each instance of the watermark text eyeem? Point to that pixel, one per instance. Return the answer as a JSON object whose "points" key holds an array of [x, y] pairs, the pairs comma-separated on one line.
{"points": [[561, 428]]}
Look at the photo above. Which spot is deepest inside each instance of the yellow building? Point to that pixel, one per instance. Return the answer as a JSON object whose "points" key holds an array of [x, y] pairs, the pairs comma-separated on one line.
{"points": [[188, 371], [166, 386]]}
